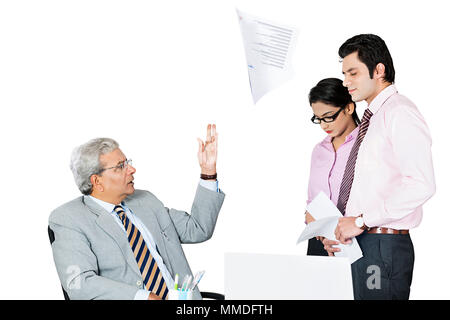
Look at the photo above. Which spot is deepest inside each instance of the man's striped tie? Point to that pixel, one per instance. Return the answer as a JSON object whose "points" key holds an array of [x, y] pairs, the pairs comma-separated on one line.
{"points": [[153, 279], [349, 173]]}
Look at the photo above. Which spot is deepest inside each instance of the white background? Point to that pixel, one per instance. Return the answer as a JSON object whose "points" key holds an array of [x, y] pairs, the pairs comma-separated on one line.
{"points": [[152, 75]]}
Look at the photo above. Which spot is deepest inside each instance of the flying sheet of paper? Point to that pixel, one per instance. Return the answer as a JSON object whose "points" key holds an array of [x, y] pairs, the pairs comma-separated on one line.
{"points": [[268, 48], [327, 217]]}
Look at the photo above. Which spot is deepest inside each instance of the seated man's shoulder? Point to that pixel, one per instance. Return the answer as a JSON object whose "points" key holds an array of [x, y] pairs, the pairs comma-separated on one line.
{"points": [[143, 195], [67, 209], [139, 193]]}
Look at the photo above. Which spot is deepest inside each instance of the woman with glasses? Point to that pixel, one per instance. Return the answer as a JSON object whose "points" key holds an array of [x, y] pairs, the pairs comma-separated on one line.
{"points": [[335, 112]]}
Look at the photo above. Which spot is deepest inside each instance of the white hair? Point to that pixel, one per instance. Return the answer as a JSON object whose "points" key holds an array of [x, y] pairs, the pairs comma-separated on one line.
{"points": [[85, 161]]}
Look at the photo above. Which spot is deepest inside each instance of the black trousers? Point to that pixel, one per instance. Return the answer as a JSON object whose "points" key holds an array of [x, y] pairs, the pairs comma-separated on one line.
{"points": [[385, 272], [315, 248]]}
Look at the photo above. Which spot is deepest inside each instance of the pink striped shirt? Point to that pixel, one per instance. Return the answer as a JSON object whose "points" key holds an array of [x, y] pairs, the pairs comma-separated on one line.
{"points": [[394, 173], [328, 166]]}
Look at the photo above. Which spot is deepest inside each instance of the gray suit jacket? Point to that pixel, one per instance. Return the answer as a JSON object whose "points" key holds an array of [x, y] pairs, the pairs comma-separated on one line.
{"points": [[92, 254]]}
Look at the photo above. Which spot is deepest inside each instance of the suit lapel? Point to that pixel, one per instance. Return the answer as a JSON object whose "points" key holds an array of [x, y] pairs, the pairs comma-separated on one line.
{"points": [[106, 222]]}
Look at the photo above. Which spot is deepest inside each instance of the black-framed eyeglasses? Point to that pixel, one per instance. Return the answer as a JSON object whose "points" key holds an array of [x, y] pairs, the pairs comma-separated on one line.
{"points": [[121, 166], [327, 119]]}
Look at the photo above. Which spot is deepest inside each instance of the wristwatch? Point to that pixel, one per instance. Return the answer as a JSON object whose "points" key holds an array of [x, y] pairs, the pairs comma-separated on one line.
{"points": [[208, 177], [360, 222]]}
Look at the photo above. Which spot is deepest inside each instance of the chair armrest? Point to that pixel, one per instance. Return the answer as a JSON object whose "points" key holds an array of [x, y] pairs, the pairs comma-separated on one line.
{"points": [[212, 295]]}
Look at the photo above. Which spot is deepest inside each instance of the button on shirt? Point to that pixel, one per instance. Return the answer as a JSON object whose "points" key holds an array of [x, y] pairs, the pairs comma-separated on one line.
{"points": [[328, 166], [394, 173], [148, 239]]}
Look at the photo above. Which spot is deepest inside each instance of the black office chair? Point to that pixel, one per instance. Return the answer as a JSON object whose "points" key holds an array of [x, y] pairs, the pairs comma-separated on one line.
{"points": [[212, 295], [205, 295], [51, 236]]}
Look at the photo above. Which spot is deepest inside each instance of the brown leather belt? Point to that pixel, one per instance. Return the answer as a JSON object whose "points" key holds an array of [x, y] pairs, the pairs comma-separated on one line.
{"points": [[377, 230]]}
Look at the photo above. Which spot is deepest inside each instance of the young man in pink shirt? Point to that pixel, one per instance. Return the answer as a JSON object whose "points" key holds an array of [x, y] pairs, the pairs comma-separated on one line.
{"points": [[389, 174]]}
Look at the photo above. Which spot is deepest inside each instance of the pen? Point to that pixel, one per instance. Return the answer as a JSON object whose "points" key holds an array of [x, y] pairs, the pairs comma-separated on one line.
{"points": [[197, 279], [184, 282], [176, 282], [187, 283], [194, 281]]}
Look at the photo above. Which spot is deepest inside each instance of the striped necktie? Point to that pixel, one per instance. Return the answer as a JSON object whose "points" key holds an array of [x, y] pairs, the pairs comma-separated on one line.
{"points": [[153, 279], [349, 173]]}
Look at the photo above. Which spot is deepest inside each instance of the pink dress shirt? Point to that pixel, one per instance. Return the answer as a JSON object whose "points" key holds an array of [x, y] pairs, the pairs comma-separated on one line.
{"points": [[394, 173], [328, 166]]}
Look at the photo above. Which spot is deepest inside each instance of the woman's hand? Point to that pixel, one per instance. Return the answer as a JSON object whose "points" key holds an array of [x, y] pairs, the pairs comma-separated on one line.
{"points": [[328, 246], [308, 219]]}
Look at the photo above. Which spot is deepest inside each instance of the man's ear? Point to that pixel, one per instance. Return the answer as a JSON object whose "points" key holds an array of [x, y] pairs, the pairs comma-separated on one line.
{"points": [[96, 183], [380, 71]]}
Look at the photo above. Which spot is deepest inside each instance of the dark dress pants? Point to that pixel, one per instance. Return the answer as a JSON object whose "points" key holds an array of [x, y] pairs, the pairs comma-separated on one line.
{"points": [[315, 248], [385, 271]]}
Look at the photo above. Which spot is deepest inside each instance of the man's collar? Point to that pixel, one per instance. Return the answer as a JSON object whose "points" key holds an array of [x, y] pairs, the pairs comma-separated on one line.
{"points": [[105, 205], [381, 98]]}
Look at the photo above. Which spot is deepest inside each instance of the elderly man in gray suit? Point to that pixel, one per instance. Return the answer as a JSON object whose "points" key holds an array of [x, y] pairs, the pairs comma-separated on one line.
{"points": [[115, 242]]}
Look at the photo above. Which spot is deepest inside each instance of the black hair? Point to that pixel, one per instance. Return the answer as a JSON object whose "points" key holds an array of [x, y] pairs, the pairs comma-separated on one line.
{"points": [[331, 91], [371, 51]]}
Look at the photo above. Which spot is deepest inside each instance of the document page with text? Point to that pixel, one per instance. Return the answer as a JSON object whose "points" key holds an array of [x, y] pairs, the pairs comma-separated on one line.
{"points": [[268, 48]]}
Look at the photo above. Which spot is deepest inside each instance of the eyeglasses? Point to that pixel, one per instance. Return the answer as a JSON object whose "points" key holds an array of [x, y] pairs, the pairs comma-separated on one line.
{"points": [[328, 119], [121, 166]]}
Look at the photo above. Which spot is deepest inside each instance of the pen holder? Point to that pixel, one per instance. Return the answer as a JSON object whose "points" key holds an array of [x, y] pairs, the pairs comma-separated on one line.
{"points": [[180, 295]]}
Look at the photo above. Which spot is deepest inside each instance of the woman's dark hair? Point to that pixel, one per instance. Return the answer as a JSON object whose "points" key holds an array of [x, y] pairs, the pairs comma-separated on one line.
{"points": [[371, 51], [331, 91]]}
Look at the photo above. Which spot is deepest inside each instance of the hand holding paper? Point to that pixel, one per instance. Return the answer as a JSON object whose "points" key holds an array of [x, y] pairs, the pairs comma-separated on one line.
{"points": [[331, 246], [347, 229], [327, 218], [323, 228]]}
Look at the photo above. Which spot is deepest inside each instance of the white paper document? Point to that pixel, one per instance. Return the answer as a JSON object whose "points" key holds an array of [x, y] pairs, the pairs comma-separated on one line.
{"points": [[268, 49], [327, 217], [322, 207], [320, 228]]}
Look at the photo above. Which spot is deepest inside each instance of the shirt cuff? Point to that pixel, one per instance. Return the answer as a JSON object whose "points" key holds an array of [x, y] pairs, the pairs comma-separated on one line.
{"points": [[142, 295], [210, 184]]}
